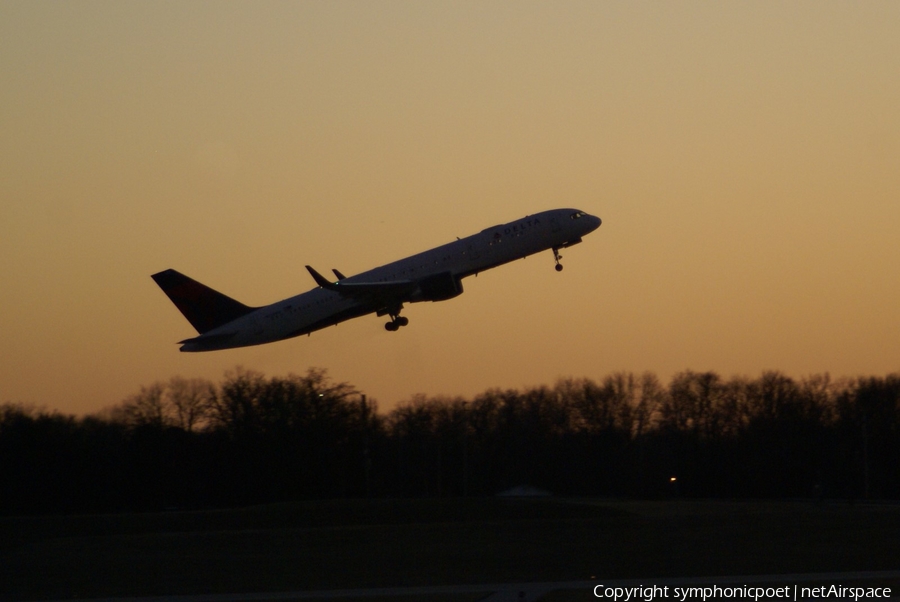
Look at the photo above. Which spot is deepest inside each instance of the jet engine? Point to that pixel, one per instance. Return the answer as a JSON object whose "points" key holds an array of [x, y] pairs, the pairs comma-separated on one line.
{"points": [[438, 287]]}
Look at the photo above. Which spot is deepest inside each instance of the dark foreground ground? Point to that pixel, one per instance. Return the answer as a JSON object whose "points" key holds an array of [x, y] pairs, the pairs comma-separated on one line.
{"points": [[388, 543]]}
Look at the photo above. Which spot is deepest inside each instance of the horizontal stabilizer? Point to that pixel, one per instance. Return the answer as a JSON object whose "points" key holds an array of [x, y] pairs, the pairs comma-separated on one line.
{"points": [[203, 307], [208, 342]]}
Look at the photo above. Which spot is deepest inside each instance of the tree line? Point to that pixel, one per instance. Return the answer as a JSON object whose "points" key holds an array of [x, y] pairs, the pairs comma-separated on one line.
{"points": [[193, 443]]}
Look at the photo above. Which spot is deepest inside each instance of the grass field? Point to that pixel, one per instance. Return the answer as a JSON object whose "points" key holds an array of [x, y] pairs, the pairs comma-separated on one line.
{"points": [[388, 543]]}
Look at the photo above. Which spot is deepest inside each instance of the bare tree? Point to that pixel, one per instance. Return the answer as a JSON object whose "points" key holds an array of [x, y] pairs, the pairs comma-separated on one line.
{"points": [[645, 414], [189, 402], [146, 408], [692, 403], [583, 405], [235, 406]]}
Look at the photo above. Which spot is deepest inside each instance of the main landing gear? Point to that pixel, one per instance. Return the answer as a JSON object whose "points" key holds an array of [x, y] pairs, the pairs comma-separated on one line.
{"points": [[396, 319], [557, 257], [396, 322]]}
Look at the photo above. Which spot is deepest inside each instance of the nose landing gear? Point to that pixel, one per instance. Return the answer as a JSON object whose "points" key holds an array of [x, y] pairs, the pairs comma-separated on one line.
{"points": [[557, 257]]}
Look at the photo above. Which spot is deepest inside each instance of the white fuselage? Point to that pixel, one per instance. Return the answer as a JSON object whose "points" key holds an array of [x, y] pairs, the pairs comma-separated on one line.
{"points": [[320, 307]]}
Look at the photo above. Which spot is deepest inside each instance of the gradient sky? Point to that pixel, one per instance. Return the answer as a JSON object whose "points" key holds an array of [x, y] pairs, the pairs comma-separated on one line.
{"points": [[744, 158]]}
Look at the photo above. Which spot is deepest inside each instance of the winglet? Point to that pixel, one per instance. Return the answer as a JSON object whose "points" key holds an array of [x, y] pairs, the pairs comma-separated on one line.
{"points": [[338, 274], [320, 280]]}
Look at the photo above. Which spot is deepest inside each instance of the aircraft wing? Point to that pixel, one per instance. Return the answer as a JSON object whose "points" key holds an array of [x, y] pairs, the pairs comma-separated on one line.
{"points": [[394, 290]]}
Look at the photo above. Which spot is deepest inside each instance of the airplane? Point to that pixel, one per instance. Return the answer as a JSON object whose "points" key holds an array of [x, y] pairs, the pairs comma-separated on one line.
{"points": [[434, 275]]}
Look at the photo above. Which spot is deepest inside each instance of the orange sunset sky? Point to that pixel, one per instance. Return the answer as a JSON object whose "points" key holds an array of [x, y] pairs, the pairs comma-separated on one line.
{"points": [[744, 158]]}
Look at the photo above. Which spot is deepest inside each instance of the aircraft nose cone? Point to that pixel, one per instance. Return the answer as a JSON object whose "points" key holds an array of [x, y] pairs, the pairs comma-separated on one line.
{"points": [[595, 222]]}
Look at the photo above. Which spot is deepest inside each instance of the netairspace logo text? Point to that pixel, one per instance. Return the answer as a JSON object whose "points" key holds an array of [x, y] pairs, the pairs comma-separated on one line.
{"points": [[715, 592]]}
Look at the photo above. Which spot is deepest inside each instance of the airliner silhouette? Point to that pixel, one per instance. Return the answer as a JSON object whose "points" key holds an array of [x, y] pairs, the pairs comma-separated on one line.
{"points": [[434, 275]]}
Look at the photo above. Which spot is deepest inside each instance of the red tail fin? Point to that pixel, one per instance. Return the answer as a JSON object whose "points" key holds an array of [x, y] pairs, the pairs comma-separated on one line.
{"points": [[203, 307]]}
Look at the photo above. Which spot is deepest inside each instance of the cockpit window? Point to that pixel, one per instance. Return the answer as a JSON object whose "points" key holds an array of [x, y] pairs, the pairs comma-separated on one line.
{"points": [[578, 214]]}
